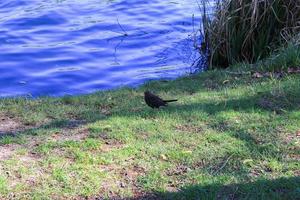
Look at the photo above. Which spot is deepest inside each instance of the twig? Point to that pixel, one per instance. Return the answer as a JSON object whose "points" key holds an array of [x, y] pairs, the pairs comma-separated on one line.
{"points": [[125, 33], [116, 49], [238, 73], [224, 164], [193, 21]]}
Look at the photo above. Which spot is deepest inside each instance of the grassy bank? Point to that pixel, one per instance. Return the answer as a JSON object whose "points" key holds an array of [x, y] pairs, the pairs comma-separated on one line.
{"points": [[230, 135]]}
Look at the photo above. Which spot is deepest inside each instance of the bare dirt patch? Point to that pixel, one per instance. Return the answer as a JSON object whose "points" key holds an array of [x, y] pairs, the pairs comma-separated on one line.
{"points": [[111, 145], [291, 138], [14, 169], [179, 170], [76, 134], [189, 128], [6, 151], [131, 174], [120, 179], [9, 125]]}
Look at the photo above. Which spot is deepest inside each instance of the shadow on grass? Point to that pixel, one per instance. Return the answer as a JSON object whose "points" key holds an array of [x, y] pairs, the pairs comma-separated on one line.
{"points": [[68, 124], [263, 101], [266, 101], [281, 189]]}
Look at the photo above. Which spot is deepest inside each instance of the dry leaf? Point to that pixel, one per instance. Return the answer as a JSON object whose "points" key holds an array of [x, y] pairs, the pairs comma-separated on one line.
{"points": [[293, 70], [226, 81], [246, 161], [257, 75], [298, 133], [163, 157]]}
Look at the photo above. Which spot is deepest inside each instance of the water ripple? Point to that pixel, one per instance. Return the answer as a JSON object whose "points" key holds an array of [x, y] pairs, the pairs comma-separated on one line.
{"points": [[58, 47]]}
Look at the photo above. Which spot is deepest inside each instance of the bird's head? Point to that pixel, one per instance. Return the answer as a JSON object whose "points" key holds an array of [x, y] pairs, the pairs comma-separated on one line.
{"points": [[147, 92]]}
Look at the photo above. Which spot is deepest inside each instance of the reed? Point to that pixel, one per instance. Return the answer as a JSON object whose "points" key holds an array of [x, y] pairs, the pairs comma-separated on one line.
{"points": [[248, 30]]}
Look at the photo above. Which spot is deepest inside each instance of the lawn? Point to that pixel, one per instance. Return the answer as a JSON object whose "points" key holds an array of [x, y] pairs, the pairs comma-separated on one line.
{"points": [[229, 136]]}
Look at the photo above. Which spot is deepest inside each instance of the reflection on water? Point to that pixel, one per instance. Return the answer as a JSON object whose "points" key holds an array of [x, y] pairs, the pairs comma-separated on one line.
{"points": [[57, 47]]}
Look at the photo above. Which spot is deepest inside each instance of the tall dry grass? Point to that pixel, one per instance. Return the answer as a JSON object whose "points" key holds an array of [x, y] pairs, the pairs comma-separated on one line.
{"points": [[248, 30]]}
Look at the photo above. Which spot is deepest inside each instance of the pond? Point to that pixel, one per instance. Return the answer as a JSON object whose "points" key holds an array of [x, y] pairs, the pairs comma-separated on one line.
{"points": [[68, 47]]}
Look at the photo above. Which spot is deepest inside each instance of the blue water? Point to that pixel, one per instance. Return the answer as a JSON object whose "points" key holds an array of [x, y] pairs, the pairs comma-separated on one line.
{"points": [[59, 47]]}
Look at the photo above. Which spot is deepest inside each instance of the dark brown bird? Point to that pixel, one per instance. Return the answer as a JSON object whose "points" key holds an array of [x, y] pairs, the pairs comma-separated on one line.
{"points": [[154, 101]]}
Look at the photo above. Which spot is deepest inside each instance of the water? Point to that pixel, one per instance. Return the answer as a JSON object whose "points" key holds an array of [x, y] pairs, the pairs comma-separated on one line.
{"points": [[59, 47]]}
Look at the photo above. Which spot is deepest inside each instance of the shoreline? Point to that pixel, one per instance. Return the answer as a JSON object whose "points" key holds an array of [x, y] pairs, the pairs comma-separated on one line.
{"points": [[228, 131]]}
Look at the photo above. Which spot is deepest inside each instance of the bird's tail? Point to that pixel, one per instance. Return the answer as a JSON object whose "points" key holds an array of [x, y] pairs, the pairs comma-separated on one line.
{"points": [[166, 101]]}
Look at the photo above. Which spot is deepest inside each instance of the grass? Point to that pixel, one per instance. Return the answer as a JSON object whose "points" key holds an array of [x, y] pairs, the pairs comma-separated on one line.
{"points": [[249, 30], [230, 136]]}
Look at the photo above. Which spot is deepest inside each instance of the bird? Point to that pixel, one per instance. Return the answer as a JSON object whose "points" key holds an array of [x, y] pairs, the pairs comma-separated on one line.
{"points": [[154, 101]]}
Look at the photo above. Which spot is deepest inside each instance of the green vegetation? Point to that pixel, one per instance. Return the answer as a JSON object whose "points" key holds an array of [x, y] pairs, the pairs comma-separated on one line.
{"points": [[248, 30], [230, 136], [233, 134]]}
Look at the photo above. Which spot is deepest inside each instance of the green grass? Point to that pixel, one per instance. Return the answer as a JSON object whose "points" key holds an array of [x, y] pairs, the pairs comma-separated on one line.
{"points": [[229, 136]]}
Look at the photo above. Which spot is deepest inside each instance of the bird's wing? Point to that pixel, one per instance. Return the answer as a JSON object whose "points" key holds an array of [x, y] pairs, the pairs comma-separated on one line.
{"points": [[156, 99]]}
